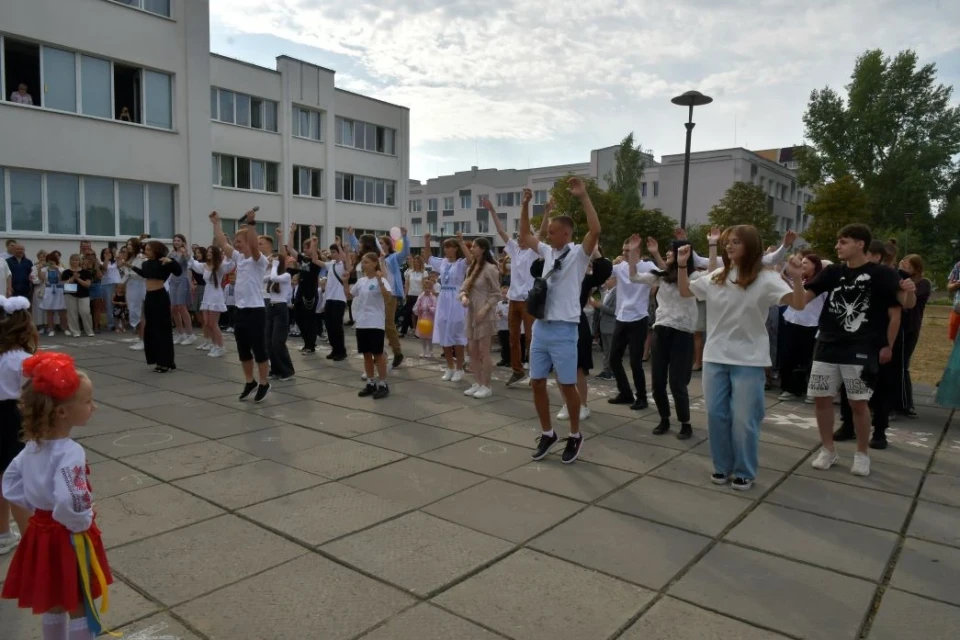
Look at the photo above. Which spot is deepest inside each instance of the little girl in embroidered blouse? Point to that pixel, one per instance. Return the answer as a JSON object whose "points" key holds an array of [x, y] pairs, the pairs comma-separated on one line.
{"points": [[60, 566], [426, 309]]}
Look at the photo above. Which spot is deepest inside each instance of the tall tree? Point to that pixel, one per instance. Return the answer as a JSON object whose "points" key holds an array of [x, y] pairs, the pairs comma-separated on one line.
{"points": [[896, 134], [835, 205], [625, 179], [745, 203]]}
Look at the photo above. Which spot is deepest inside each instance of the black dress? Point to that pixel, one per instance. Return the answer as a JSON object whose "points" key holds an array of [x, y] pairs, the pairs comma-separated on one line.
{"points": [[158, 331]]}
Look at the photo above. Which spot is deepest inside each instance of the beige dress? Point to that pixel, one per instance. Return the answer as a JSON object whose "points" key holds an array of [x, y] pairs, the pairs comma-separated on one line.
{"points": [[485, 292]]}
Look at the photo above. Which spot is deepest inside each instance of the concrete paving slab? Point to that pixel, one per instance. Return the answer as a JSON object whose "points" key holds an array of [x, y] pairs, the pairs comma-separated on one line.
{"points": [[213, 554], [427, 622], [223, 424], [156, 628], [509, 597], [470, 421], [679, 505], [627, 455], [772, 456], [942, 489], [153, 398], [694, 469], [902, 615], [947, 461], [148, 512], [884, 476], [413, 482], [929, 570], [671, 619], [642, 431], [342, 458], [480, 455], [841, 501], [261, 480], [278, 443], [418, 552], [412, 438], [504, 510], [766, 591], [936, 523], [330, 419], [130, 443], [189, 460], [113, 478], [580, 481], [109, 420], [597, 538]]}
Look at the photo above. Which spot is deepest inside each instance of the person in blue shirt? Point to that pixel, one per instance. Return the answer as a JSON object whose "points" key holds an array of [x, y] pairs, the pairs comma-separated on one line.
{"points": [[392, 260]]}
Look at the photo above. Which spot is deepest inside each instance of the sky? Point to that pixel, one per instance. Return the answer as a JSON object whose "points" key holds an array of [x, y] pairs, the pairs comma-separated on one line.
{"points": [[509, 84]]}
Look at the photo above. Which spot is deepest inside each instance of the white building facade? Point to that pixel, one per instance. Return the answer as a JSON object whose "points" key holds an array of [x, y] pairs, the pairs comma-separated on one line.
{"points": [[132, 126]]}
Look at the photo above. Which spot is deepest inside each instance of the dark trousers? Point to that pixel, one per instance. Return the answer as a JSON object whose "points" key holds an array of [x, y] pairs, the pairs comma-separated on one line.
{"points": [[333, 318], [305, 315], [903, 350], [158, 332], [880, 402], [226, 318], [671, 360], [406, 321], [795, 357], [276, 331], [633, 335], [504, 336]]}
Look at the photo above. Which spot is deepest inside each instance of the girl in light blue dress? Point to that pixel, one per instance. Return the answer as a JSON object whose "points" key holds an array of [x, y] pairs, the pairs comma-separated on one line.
{"points": [[948, 393]]}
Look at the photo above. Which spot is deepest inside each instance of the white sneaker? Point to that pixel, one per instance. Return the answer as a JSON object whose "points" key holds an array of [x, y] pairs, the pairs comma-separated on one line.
{"points": [[472, 390], [90, 335], [457, 375], [51, 333], [9, 542], [188, 339], [178, 339], [585, 412], [786, 395], [207, 347], [808, 400], [826, 459], [483, 392], [137, 346], [526, 366], [447, 375], [363, 377], [67, 332], [861, 464], [204, 345], [563, 414]]}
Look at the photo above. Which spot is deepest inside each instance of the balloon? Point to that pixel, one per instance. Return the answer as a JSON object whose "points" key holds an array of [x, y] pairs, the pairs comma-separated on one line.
{"points": [[398, 244], [425, 327], [395, 233]]}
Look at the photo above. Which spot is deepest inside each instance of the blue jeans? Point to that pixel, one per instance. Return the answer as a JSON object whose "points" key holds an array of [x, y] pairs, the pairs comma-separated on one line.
{"points": [[107, 291], [734, 398]]}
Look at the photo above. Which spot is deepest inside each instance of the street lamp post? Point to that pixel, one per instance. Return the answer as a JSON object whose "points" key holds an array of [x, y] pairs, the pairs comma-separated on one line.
{"points": [[907, 218], [689, 99]]}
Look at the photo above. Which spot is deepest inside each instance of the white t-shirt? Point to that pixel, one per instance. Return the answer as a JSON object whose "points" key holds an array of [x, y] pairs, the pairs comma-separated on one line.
{"points": [[284, 278], [633, 298], [335, 289], [563, 287], [248, 289], [11, 373], [810, 316], [736, 317], [414, 282], [369, 308], [520, 278], [503, 316], [673, 310], [4, 274], [111, 273]]}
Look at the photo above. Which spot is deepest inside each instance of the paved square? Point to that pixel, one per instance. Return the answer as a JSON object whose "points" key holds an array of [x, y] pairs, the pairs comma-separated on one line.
{"points": [[318, 514]]}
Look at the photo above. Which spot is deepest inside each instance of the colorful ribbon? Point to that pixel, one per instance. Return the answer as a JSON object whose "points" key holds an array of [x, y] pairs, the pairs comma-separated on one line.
{"points": [[88, 564]]}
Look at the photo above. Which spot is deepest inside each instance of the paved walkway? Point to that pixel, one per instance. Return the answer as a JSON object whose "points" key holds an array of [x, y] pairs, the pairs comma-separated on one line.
{"points": [[325, 516]]}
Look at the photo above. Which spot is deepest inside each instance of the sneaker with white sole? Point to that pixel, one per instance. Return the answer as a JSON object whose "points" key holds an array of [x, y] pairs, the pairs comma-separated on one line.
{"points": [[189, 338], [204, 345], [483, 392], [216, 352], [447, 375], [472, 390], [826, 459], [585, 412], [137, 346], [9, 542], [457, 376], [861, 464], [178, 339], [563, 414]]}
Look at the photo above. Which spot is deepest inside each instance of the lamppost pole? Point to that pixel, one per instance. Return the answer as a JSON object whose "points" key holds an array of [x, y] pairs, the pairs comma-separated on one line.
{"points": [[907, 217], [690, 99]]}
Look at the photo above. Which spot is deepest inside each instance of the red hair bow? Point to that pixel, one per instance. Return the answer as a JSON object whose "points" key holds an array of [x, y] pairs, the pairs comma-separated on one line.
{"points": [[53, 374]]}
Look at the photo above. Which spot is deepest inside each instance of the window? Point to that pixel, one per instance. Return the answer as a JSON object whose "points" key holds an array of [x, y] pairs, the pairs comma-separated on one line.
{"points": [[270, 115], [307, 181], [142, 96], [432, 228], [3, 203], [244, 173], [26, 200], [307, 124], [417, 228], [541, 196], [461, 227], [481, 198], [416, 206], [159, 7], [656, 188], [391, 188], [465, 199], [226, 107], [160, 205], [483, 226], [448, 203], [130, 196], [365, 189], [59, 79], [448, 228], [243, 109], [95, 83], [98, 198], [22, 66], [239, 108], [63, 203], [158, 99], [512, 199], [643, 189], [366, 136], [432, 204]]}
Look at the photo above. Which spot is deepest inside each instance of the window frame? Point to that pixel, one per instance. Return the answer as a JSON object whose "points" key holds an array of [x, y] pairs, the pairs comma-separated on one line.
{"points": [[314, 177], [270, 173], [258, 108], [372, 137], [141, 5], [369, 188], [315, 121]]}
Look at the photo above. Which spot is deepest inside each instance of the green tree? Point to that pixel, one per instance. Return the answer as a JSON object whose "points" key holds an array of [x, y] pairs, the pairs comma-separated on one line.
{"points": [[835, 205], [697, 235], [625, 179], [745, 203], [896, 134]]}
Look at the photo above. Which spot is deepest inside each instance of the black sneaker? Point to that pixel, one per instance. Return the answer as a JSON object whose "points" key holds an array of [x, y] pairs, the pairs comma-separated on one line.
{"points": [[503, 363], [308, 350], [844, 433], [606, 375], [878, 441], [742, 484], [686, 431], [572, 450], [620, 399], [662, 428], [515, 378], [286, 378], [544, 444], [339, 357], [719, 478], [640, 405], [331, 356], [262, 391], [247, 390], [397, 359], [368, 390], [382, 392], [911, 413]]}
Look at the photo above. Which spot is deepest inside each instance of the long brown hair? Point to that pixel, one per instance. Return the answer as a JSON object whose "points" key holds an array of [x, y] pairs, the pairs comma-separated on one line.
{"points": [[17, 331], [216, 259], [137, 246], [478, 264], [158, 248], [452, 242], [752, 262]]}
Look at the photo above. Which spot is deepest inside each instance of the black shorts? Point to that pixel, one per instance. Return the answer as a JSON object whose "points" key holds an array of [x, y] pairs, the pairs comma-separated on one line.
{"points": [[370, 341], [584, 345], [249, 326], [10, 444]]}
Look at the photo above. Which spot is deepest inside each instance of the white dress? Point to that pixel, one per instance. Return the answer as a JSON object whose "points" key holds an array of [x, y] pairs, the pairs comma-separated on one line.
{"points": [[214, 297], [53, 292], [449, 325]]}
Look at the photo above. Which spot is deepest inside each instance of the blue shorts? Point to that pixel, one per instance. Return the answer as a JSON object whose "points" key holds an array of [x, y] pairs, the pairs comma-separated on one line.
{"points": [[554, 345]]}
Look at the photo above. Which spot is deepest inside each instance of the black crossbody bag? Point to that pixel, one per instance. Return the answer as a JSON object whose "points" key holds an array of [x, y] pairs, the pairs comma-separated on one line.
{"points": [[537, 298]]}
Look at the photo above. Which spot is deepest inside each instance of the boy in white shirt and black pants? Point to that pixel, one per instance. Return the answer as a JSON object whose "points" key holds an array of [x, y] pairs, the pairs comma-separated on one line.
{"points": [[247, 253], [277, 297], [554, 342], [370, 294]]}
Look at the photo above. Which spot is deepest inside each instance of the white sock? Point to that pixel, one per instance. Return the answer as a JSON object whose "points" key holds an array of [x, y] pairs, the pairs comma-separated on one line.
{"points": [[549, 434], [55, 626], [575, 435], [79, 630]]}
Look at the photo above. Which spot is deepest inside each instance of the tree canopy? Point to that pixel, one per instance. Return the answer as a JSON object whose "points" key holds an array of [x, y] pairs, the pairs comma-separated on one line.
{"points": [[745, 203], [625, 179], [835, 205]]}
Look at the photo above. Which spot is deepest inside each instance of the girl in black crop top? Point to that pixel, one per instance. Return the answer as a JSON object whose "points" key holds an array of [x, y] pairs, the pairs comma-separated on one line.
{"points": [[158, 331]]}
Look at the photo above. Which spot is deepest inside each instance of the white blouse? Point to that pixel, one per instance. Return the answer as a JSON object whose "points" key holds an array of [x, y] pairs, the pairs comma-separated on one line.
{"points": [[11, 373], [673, 310]]}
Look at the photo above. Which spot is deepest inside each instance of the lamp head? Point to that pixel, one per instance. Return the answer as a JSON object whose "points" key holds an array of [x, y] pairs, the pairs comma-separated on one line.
{"points": [[691, 99]]}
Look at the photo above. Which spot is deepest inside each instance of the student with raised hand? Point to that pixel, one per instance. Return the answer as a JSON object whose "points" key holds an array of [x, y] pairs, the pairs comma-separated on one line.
{"points": [[554, 342], [278, 285], [339, 267], [737, 351], [305, 300], [158, 333], [250, 320], [370, 293], [449, 325]]}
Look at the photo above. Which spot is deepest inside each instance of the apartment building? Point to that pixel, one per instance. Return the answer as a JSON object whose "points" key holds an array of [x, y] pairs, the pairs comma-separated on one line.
{"points": [[119, 121]]}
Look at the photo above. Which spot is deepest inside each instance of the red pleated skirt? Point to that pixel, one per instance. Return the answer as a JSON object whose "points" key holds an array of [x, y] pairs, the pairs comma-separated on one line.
{"points": [[44, 573]]}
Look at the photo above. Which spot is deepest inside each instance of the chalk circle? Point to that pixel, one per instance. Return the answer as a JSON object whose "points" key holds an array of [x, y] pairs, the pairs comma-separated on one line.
{"points": [[359, 416], [493, 449], [143, 439]]}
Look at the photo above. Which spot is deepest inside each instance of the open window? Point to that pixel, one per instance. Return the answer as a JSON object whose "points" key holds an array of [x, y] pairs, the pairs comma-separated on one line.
{"points": [[127, 83], [22, 66]]}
